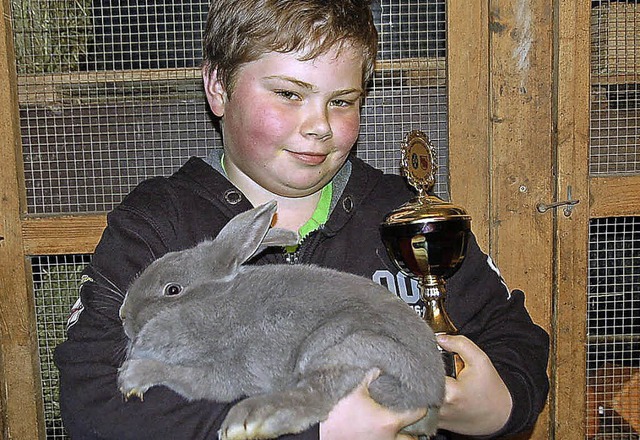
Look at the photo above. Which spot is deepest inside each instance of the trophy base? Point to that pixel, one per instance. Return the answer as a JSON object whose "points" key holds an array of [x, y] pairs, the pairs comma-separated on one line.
{"points": [[453, 363]]}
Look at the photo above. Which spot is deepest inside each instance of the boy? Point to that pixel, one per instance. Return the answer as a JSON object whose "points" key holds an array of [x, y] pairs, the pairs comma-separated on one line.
{"points": [[286, 79]]}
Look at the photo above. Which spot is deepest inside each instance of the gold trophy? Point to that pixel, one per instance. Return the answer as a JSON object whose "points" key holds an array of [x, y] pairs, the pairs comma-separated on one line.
{"points": [[426, 238]]}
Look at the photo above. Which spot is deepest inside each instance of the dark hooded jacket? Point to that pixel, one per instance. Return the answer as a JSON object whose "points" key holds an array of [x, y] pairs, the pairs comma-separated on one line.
{"points": [[174, 213]]}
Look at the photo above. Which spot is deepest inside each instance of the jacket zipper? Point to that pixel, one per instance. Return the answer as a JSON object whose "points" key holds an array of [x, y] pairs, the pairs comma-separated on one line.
{"points": [[292, 257], [295, 257]]}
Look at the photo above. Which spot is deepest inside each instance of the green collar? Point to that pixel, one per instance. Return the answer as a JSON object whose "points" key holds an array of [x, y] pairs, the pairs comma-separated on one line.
{"points": [[319, 216]]}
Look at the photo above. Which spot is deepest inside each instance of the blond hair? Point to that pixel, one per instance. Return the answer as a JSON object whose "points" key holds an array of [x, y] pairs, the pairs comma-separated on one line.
{"points": [[241, 31]]}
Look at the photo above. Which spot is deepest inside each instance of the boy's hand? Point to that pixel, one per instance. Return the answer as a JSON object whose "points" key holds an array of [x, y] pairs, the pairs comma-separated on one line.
{"points": [[477, 402], [358, 416]]}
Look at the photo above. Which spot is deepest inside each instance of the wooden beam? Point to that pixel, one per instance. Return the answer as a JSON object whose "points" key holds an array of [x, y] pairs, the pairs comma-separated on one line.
{"points": [[568, 339], [62, 235], [21, 394], [521, 153], [614, 196], [54, 88], [522, 159], [468, 70]]}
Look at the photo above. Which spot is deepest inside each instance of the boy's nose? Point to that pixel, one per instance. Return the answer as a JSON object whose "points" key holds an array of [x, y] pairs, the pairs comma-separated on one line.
{"points": [[317, 124]]}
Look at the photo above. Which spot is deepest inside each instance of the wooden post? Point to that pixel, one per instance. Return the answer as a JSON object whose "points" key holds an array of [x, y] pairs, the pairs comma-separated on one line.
{"points": [[568, 355], [469, 147], [21, 393], [522, 156], [501, 123]]}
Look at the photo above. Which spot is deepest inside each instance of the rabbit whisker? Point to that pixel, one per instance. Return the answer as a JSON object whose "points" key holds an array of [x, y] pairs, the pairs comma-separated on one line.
{"points": [[109, 285]]}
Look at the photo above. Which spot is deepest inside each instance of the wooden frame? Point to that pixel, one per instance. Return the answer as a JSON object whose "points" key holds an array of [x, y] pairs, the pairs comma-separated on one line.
{"points": [[571, 120], [507, 49], [469, 145], [614, 196], [21, 393]]}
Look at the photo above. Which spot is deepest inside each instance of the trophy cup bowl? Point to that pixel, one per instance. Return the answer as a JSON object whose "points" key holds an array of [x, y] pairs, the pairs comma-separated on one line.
{"points": [[426, 238]]}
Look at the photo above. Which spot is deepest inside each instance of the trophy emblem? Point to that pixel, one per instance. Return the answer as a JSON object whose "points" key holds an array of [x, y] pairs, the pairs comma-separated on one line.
{"points": [[426, 237]]}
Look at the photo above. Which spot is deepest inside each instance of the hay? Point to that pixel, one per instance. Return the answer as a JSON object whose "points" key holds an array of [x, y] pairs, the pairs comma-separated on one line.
{"points": [[51, 36]]}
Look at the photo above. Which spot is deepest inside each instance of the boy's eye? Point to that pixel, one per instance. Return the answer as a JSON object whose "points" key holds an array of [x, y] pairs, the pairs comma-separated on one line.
{"points": [[342, 103], [288, 94]]}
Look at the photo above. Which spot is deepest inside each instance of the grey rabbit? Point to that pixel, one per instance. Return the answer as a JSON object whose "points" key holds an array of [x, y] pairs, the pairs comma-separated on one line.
{"points": [[291, 340]]}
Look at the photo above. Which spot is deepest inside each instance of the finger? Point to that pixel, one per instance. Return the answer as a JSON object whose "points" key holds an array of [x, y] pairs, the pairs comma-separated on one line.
{"points": [[462, 345], [363, 388], [406, 418], [413, 415], [451, 391]]}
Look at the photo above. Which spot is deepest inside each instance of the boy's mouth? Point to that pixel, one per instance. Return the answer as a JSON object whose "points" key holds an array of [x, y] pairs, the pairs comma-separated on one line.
{"points": [[309, 158]]}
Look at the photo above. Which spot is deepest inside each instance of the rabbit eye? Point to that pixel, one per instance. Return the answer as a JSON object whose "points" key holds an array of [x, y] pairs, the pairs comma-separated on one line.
{"points": [[172, 289]]}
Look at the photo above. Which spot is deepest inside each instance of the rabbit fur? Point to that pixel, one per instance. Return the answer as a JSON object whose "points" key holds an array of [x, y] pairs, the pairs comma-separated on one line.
{"points": [[291, 340]]}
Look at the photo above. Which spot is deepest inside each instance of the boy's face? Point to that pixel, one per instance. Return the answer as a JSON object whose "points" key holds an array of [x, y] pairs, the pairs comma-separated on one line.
{"points": [[288, 125]]}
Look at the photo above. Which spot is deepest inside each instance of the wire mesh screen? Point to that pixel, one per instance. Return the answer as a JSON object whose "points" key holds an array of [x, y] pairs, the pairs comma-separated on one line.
{"points": [[55, 285], [409, 88], [615, 67], [613, 350], [110, 94], [613, 363]]}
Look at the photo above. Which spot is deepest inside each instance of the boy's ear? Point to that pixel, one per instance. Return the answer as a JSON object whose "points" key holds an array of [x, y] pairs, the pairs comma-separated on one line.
{"points": [[215, 91]]}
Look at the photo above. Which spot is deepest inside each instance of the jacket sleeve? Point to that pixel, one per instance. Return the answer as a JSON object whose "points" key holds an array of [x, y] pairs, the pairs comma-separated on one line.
{"points": [[92, 406], [496, 319]]}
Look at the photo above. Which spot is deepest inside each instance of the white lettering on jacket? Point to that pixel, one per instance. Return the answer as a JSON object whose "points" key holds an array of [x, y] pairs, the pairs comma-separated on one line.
{"points": [[78, 307], [403, 286], [493, 267]]}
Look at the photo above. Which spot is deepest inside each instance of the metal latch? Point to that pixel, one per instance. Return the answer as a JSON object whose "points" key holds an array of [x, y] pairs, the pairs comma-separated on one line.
{"points": [[568, 204]]}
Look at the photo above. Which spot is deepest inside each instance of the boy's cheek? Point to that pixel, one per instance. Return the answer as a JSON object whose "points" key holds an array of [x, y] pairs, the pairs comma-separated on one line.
{"points": [[351, 128]]}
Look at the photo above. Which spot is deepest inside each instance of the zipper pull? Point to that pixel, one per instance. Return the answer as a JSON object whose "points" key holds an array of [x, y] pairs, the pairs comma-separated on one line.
{"points": [[292, 257]]}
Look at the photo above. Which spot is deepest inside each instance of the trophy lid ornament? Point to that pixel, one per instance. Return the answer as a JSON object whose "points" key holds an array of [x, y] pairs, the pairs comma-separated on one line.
{"points": [[419, 167], [419, 163]]}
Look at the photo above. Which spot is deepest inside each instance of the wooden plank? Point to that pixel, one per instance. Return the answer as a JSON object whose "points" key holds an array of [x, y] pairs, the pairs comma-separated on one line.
{"points": [[19, 374], [56, 88], [467, 42], [521, 165], [614, 196], [568, 402], [522, 155], [603, 79], [33, 80], [62, 235]]}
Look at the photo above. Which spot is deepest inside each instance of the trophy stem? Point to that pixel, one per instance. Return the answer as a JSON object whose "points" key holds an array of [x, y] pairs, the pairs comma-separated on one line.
{"points": [[433, 292]]}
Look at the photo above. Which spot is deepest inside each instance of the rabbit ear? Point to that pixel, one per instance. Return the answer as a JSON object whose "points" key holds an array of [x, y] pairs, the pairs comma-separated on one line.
{"points": [[243, 236], [278, 237]]}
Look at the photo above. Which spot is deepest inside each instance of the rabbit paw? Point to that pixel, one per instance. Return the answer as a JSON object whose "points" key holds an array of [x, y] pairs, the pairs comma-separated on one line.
{"points": [[266, 417], [136, 376]]}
